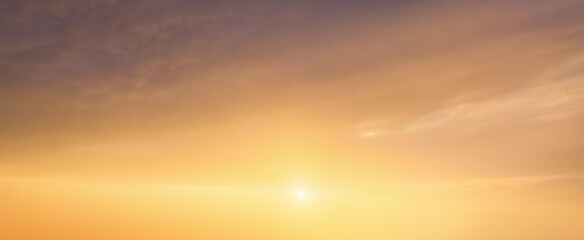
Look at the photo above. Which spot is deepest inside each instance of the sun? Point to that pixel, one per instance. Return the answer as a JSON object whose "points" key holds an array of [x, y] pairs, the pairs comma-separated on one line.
{"points": [[300, 194]]}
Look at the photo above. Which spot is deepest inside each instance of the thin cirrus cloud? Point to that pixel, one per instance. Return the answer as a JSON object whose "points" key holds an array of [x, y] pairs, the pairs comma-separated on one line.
{"points": [[548, 101]]}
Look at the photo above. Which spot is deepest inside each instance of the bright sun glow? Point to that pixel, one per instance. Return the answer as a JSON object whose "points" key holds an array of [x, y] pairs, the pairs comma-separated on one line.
{"points": [[301, 194]]}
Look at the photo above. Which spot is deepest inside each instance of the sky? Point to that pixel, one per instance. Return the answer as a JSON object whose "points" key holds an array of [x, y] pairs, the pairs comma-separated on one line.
{"points": [[395, 119]]}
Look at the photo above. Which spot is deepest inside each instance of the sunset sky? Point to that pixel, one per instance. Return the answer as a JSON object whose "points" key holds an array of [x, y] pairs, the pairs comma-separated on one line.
{"points": [[396, 119]]}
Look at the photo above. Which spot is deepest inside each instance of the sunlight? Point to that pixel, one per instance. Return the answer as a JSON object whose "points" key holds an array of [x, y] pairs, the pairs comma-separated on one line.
{"points": [[300, 194]]}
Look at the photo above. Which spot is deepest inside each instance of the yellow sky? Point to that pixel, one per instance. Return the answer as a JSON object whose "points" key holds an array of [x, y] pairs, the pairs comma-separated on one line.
{"points": [[203, 119]]}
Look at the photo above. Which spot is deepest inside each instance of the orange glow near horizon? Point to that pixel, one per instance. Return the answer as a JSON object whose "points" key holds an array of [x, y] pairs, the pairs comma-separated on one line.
{"points": [[175, 120]]}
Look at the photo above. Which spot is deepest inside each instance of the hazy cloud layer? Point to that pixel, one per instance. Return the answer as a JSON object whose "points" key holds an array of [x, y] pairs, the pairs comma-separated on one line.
{"points": [[388, 77]]}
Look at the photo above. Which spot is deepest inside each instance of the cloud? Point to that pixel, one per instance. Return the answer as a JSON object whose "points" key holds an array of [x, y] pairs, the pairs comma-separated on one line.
{"points": [[93, 73], [501, 185], [555, 95], [550, 99]]}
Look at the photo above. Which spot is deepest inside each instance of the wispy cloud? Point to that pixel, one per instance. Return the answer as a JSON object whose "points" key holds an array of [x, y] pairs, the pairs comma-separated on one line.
{"points": [[555, 95], [501, 185], [546, 101]]}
